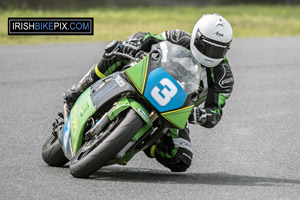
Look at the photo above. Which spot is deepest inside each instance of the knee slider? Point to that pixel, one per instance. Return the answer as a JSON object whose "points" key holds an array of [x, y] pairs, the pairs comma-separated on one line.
{"points": [[178, 167]]}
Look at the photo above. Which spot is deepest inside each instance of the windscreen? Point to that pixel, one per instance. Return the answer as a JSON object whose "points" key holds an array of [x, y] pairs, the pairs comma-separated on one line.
{"points": [[181, 65]]}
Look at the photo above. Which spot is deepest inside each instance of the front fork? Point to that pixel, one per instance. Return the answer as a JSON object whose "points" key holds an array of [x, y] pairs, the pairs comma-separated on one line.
{"points": [[66, 112]]}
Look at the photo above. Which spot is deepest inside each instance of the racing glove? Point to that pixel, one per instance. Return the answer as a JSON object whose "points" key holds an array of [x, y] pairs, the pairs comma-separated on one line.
{"points": [[132, 46], [197, 116], [112, 46]]}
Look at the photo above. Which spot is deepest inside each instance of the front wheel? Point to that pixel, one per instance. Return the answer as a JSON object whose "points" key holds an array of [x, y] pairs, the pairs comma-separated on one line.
{"points": [[89, 159], [52, 152]]}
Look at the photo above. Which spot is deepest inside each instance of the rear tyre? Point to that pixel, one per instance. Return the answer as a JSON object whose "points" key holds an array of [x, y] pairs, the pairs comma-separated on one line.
{"points": [[86, 161], [52, 152]]}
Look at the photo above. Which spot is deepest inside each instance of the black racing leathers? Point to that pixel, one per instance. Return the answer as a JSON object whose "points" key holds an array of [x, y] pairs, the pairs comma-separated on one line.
{"points": [[220, 84]]}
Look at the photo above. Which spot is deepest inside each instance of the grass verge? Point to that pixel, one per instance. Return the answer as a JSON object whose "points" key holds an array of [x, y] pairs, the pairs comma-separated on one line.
{"points": [[119, 23]]}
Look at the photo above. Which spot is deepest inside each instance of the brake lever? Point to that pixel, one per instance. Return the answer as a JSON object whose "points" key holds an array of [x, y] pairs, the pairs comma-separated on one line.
{"points": [[124, 55], [140, 55]]}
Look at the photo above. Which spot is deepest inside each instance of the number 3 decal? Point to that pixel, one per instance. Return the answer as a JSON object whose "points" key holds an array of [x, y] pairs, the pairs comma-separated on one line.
{"points": [[167, 94]]}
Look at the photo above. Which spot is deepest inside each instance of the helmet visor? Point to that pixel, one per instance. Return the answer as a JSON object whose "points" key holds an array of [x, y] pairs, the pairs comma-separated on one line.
{"points": [[210, 48]]}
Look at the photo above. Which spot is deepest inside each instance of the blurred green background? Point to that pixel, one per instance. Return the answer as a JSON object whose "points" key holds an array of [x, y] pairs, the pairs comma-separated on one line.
{"points": [[116, 19]]}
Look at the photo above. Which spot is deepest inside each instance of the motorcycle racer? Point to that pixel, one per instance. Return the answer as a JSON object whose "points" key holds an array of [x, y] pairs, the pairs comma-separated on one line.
{"points": [[209, 43]]}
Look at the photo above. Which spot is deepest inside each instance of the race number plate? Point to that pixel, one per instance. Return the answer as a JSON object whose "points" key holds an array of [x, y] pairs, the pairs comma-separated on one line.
{"points": [[163, 91]]}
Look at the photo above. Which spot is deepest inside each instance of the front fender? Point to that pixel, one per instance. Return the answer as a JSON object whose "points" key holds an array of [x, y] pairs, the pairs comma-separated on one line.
{"points": [[125, 103]]}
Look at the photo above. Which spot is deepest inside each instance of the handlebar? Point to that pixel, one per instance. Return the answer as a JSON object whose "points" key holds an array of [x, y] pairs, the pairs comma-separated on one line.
{"points": [[124, 55]]}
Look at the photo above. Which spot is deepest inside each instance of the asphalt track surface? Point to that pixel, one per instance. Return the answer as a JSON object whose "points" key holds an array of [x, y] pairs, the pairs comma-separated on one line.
{"points": [[253, 153]]}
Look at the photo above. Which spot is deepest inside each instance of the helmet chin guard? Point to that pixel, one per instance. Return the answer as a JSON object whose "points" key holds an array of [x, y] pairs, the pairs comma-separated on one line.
{"points": [[211, 39]]}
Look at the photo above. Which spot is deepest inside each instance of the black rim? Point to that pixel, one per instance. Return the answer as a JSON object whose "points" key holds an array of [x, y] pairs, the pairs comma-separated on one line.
{"points": [[96, 140]]}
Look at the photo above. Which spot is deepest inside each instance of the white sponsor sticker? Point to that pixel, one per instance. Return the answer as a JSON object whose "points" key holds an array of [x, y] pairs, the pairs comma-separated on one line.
{"points": [[120, 81], [142, 113], [180, 142]]}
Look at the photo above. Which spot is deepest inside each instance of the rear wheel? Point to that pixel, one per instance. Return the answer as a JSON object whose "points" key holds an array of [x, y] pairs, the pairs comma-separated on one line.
{"points": [[52, 152], [97, 152]]}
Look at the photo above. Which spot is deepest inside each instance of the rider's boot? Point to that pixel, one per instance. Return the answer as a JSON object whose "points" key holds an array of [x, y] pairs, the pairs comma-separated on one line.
{"points": [[165, 144], [72, 94], [150, 151]]}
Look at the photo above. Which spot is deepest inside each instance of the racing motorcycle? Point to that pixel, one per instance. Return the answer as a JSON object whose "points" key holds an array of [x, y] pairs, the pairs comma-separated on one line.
{"points": [[126, 112]]}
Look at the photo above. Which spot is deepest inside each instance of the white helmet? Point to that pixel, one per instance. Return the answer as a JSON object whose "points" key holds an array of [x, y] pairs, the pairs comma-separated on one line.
{"points": [[211, 39]]}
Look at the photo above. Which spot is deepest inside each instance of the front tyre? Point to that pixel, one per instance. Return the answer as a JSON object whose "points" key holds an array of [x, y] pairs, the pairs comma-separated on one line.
{"points": [[86, 163], [52, 152]]}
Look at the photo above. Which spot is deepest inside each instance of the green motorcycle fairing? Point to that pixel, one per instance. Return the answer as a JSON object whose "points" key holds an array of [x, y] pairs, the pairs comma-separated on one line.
{"points": [[82, 110], [139, 76], [93, 98]]}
